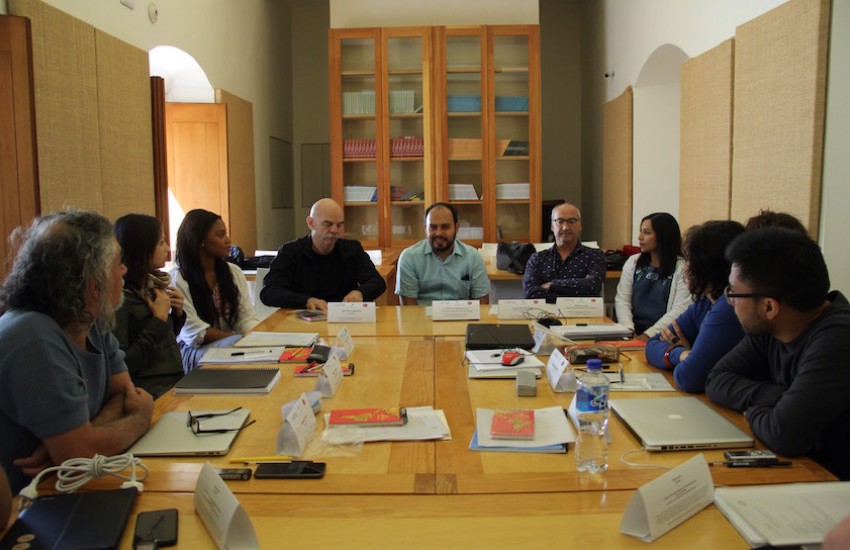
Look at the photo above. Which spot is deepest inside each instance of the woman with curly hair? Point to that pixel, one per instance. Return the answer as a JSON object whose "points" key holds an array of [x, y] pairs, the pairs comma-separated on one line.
{"points": [[152, 314], [218, 305], [708, 329]]}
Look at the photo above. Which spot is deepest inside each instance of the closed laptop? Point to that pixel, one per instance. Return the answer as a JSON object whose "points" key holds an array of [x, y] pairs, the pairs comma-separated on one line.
{"points": [[495, 336]]}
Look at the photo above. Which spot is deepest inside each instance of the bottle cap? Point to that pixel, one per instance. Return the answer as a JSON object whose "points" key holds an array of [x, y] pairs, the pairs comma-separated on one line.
{"points": [[594, 364]]}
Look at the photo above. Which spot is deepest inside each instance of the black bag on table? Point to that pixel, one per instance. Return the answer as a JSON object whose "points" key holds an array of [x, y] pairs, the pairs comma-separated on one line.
{"points": [[513, 256]]}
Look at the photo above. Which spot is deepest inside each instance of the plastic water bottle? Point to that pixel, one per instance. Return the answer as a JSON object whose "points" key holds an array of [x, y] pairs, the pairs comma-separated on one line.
{"points": [[592, 408]]}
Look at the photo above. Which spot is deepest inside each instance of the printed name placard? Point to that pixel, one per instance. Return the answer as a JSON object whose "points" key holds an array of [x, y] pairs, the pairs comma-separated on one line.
{"points": [[351, 312], [667, 501], [581, 307], [343, 345], [560, 377], [226, 520], [525, 309], [456, 310], [297, 429], [330, 377]]}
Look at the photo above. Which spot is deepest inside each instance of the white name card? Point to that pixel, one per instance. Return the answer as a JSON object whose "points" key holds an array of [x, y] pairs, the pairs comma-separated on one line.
{"points": [[525, 309], [581, 307], [456, 310], [297, 428], [667, 501], [226, 521], [560, 377], [330, 377], [343, 345], [351, 312]]}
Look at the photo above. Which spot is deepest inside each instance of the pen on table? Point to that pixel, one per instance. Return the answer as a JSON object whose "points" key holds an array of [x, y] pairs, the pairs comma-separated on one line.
{"points": [[752, 464], [250, 353], [272, 458]]}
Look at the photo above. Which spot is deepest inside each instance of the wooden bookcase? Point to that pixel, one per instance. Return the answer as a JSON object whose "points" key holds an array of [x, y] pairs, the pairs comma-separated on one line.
{"points": [[464, 94]]}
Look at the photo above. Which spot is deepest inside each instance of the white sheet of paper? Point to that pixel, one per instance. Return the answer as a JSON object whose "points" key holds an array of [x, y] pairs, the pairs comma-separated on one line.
{"points": [[667, 501], [297, 428], [551, 427], [455, 310], [226, 521], [581, 307], [491, 359], [271, 339], [525, 309], [351, 312], [560, 377], [330, 377], [343, 345]]}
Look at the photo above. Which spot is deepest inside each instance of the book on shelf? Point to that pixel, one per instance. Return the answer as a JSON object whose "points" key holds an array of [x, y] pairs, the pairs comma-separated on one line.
{"points": [[313, 369], [256, 380], [373, 416], [516, 149], [512, 424]]}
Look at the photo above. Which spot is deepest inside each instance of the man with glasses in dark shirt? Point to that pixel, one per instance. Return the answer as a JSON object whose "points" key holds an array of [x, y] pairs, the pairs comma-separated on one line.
{"points": [[568, 268], [789, 374]]}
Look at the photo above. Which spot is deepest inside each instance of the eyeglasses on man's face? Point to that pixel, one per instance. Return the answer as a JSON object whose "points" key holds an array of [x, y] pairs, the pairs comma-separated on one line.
{"points": [[565, 221], [732, 296], [193, 421]]}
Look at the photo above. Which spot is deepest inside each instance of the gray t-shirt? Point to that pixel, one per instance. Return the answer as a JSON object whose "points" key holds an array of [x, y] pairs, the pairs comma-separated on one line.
{"points": [[48, 386]]}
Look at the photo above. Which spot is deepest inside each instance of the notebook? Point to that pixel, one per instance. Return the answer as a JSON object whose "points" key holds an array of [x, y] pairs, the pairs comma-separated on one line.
{"points": [[256, 380], [492, 336], [677, 424], [170, 436], [94, 519]]}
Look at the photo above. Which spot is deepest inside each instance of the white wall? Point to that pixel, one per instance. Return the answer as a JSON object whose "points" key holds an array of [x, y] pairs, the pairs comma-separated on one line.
{"points": [[836, 174], [242, 47], [396, 13]]}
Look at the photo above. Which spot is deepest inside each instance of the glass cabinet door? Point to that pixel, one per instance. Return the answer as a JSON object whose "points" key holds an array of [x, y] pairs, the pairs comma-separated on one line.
{"points": [[359, 99], [513, 181], [464, 147], [406, 57]]}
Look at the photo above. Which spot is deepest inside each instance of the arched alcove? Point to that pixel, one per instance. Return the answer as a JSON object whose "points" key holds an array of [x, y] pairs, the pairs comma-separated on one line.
{"points": [[656, 134], [185, 80]]}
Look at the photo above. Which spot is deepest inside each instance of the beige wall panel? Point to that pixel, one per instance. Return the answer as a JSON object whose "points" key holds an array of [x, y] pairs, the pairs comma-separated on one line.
{"points": [[705, 169], [124, 123], [780, 90], [65, 106], [240, 167], [617, 156]]}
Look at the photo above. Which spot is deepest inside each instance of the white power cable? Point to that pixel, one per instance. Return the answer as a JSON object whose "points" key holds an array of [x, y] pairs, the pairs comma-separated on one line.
{"points": [[76, 472]]}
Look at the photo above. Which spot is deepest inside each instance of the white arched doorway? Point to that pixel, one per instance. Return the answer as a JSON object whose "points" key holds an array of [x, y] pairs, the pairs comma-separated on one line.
{"points": [[656, 135]]}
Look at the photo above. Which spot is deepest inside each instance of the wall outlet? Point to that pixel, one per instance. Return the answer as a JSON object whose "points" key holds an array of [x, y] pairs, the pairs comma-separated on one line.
{"points": [[129, 3]]}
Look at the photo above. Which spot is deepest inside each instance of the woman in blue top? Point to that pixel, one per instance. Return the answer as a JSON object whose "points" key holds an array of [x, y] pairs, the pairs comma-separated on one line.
{"points": [[652, 291], [708, 329]]}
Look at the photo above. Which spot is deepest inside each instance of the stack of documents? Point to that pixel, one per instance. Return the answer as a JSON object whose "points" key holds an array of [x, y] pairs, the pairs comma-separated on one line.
{"points": [[784, 515], [423, 423], [271, 339], [242, 356], [487, 363], [552, 432]]}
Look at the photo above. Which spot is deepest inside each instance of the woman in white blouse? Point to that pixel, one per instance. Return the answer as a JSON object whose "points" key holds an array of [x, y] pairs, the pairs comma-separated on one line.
{"points": [[652, 291], [218, 305]]}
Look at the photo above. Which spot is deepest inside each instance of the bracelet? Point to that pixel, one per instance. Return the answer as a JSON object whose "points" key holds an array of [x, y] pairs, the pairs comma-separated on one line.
{"points": [[667, 356]]}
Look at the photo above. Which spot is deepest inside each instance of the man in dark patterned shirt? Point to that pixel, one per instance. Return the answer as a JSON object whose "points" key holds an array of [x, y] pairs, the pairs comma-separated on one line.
{"points": [[568, 268]]}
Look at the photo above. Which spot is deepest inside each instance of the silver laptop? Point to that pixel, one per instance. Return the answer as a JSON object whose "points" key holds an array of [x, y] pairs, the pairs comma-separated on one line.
{"points": [[678, 424], [171, 436]]}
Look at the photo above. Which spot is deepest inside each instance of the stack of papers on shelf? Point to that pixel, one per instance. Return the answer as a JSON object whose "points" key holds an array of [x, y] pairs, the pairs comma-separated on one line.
{"points": [[552, 432], [288, 339], [487, 363], [513, 191], [784, 515], [359, 103], [360, 193], [423, 423], [401, 101], [462, 192], [229, 381]]}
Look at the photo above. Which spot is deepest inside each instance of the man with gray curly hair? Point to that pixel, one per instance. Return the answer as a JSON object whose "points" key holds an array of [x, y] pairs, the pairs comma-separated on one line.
{"points": [[64, 388]]}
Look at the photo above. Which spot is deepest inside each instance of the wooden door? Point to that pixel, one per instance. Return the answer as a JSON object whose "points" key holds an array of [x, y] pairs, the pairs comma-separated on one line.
{"points": [[18, 166], [196, 145]]}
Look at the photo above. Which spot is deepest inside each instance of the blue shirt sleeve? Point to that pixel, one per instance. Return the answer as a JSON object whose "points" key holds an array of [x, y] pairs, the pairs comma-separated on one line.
{"points": [[480, 284]]}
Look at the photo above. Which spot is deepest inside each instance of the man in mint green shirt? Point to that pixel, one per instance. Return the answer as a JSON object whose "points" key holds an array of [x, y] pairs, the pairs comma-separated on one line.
{"points": [[441, 267]]}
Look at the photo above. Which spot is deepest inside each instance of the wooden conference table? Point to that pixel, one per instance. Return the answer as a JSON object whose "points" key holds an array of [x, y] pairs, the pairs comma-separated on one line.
{"points": [[475, 498]]}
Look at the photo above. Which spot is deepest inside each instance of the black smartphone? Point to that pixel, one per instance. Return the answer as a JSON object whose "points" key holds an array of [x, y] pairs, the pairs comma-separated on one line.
{"points": [[297, 469], [159, 526]]}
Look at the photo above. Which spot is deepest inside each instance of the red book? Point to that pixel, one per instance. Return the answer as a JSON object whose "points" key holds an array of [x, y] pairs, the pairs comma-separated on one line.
{"points": [[295, 355], [313, 369], [375, 416], [512, 424]]}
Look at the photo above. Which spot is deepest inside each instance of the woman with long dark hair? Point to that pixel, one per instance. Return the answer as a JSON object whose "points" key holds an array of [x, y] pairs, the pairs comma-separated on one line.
{"points": [[708, 329], [652, 289], [152, 313], [218, 304]]}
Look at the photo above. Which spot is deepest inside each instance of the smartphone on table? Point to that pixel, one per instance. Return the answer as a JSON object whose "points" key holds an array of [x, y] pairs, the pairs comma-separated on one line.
{"points": [[297, 469]]}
